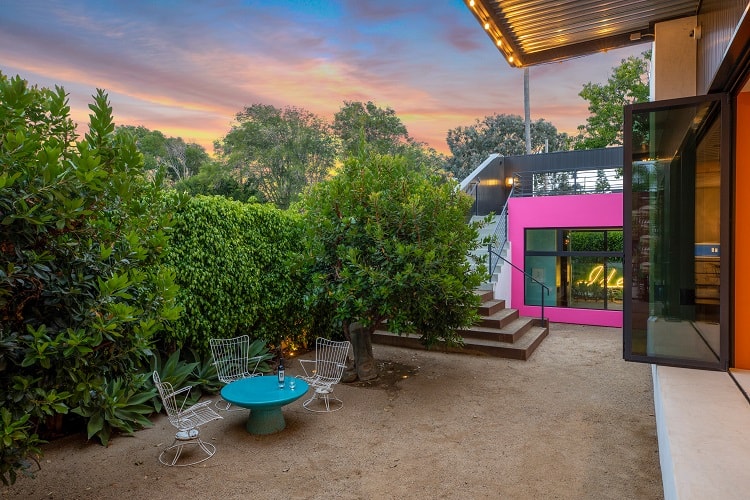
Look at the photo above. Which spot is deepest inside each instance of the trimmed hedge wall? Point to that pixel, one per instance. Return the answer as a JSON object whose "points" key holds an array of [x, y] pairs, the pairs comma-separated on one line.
{"points": [[233, 266]]}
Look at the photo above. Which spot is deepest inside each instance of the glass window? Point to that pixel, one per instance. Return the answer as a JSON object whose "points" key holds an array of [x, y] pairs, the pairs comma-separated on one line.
{"points": [[541, 239], [543, 269], [586, 241], [585, 273], [674, 253]]}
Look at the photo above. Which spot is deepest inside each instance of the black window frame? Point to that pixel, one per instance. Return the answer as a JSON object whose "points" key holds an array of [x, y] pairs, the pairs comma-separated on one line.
{"points": [[559, 244]]}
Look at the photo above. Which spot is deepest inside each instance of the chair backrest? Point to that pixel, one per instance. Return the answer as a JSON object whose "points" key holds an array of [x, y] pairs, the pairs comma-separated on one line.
{"points": [[330, 358], [231, 357], [168, 398]]}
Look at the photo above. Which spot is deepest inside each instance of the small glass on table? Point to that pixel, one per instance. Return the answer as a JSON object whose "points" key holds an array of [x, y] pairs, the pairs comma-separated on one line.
{"points": [[292, 383]]}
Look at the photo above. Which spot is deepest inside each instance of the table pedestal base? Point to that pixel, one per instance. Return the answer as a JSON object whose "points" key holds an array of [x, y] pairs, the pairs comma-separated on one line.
{"points": [[265, 421]]}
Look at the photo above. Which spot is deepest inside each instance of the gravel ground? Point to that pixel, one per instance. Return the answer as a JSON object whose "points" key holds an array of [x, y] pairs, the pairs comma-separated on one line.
{"points": [[573, 422]]}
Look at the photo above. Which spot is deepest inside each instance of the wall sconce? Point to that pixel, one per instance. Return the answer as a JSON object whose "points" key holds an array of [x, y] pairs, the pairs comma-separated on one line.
{"points": [[509, 182]]}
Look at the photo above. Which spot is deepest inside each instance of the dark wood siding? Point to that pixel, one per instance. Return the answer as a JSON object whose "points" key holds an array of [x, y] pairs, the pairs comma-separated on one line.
{"points": [[718, 20]]}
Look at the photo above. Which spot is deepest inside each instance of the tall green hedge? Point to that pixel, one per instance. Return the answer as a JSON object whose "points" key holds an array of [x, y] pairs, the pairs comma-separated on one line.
{"points": [[82, 289], [233, 265]]}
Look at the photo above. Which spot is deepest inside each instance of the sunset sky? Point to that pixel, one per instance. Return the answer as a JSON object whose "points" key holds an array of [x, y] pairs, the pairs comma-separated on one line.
{"points": [[187, 67]]}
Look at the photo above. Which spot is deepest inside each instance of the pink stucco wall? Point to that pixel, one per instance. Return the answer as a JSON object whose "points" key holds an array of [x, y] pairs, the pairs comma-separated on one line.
{"points": [[581, 211]]}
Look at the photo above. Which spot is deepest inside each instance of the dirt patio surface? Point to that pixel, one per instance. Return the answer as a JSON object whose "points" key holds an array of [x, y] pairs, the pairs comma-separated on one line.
{"points": [[573, 422]]}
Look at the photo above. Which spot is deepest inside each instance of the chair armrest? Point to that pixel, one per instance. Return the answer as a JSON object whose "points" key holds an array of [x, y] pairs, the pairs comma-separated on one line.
{"points": [[179, 392], [201, 404], [256, 360], [308, 362]]}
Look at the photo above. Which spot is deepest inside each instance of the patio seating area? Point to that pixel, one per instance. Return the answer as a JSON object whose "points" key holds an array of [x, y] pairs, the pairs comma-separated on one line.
{"points": [[574, 421]]}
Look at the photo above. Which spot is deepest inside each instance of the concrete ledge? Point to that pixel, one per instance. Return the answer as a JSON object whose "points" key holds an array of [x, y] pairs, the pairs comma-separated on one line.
{"points": [[703, 426]]}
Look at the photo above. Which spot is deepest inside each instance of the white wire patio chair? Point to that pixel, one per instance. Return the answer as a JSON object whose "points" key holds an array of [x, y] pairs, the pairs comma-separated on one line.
{"points": [[233, 362], [323, 373], [186, 421]]}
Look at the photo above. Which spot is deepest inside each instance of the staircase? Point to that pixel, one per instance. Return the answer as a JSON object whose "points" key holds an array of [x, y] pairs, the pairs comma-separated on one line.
{"points": [[500, 332]]}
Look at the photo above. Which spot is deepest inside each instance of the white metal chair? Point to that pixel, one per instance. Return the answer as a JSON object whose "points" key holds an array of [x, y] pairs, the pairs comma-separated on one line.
{"points": [[233, 362], [187, 421], [323, 373]]}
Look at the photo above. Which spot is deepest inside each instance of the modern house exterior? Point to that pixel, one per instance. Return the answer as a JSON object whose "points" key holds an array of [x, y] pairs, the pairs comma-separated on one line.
{"points": [[562, 215], [686, 167], [685, 160]]}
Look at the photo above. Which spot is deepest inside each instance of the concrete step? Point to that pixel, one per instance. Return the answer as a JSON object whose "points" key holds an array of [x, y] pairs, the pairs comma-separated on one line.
{"points": [[521, 349], [500, 332], [490, 307], [510, 333], [500, 318]]}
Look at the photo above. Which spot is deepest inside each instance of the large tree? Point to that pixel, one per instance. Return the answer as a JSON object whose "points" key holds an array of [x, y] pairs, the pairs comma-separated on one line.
{"points": [[388, 242], [179, 159], [499, 133], [357, 123], [627, 84], [279, 150]]}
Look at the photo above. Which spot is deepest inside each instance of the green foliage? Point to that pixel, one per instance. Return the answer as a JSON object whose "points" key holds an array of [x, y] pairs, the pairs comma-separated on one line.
{"points": [[279, 151], [358, 123], [19, 444], [180, 160], [627, 84], [119, 405], [499, 133], [82, 289], [232, 265], [388, 241], [215, 178]]}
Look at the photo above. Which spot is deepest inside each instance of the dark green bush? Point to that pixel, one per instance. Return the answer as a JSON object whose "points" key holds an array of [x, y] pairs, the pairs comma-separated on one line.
{"points": [[82, 289], [232, 263]]}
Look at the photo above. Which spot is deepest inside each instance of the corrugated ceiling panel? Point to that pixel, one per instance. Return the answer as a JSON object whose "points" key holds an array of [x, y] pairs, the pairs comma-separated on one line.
{"points": [[533, 27]]}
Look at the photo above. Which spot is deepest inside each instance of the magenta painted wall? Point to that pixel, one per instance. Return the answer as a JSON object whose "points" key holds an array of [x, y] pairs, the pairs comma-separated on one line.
{"points": [[581, 211]]}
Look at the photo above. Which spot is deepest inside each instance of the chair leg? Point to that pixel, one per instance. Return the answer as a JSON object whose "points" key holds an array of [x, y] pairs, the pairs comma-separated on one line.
{"points": [[177, 447], [325, 396]]}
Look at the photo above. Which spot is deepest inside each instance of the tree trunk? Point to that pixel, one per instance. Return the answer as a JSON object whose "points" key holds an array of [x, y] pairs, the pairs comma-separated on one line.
{"points": [[363, 366]]}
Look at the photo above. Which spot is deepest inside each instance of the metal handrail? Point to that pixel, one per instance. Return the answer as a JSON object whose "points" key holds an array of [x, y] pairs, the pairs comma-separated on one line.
{"points": [[500, 236], [544, 287], [565, 181]]}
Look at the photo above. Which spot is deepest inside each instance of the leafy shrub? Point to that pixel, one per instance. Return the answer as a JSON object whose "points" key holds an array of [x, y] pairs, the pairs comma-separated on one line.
{"points": [[387, 241], [232, 262], [82, 289]]}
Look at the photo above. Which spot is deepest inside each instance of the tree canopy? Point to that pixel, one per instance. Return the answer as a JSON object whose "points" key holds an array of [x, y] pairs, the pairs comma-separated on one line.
{"points": [[278, 150], [388, 241], [627, 84], [357, 123], [179, 160], [499, 133]]}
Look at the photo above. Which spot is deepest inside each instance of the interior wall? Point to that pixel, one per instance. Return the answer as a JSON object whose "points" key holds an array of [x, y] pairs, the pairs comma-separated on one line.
{"points": [[742, 234]]}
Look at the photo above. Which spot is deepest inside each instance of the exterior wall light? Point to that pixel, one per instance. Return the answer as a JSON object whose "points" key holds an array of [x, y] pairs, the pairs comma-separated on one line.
{"points": [[509, 182]]}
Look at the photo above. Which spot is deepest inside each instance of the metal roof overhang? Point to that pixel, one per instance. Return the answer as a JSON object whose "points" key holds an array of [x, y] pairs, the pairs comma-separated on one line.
{"points": [[530, 32]]}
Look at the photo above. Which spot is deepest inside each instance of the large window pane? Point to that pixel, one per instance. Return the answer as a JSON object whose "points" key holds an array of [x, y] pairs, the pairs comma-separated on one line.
{"points": [[614, 241], [586, 241], [674, 238], [589, 282], [544, 270]]}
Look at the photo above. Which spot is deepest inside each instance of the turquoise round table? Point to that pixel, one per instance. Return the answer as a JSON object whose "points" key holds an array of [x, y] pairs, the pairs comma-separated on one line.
{"points": [[264, 398]]}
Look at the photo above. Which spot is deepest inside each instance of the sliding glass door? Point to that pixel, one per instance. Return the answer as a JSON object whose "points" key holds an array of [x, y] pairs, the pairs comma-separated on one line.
{"points": [[676, 232]]}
